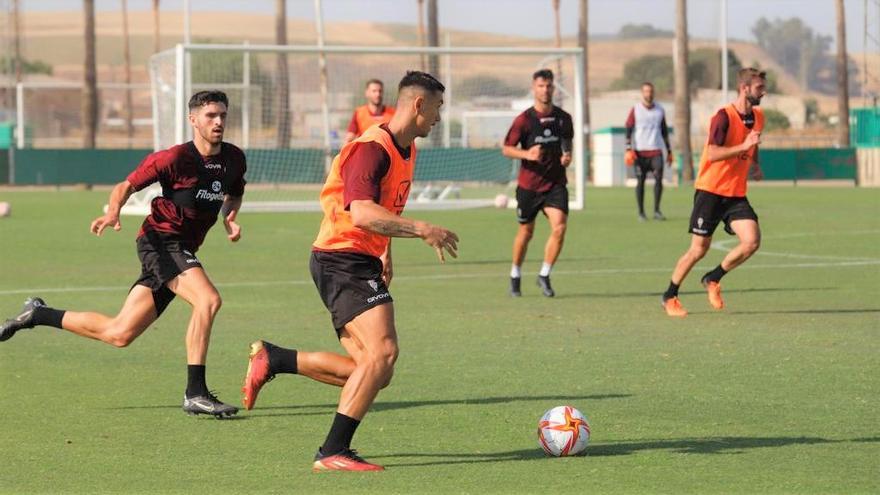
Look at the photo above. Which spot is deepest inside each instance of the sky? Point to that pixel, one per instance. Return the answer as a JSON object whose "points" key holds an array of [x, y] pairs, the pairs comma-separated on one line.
{"points": [[535, 17]]}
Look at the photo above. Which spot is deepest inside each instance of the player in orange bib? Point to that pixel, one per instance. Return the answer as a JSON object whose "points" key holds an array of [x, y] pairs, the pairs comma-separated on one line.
{"points": [[374, 112], [362, 199], [729, 157]]}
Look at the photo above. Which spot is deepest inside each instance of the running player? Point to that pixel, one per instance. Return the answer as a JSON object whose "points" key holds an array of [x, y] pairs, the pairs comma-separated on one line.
{"points": [[365, 193], [646, 125], [374, 112], [540, 138], [199, 179], [730, 153]]}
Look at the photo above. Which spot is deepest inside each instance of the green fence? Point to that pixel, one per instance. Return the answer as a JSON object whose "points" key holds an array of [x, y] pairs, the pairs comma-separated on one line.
{"points": [[864, 129], [804, 164]]}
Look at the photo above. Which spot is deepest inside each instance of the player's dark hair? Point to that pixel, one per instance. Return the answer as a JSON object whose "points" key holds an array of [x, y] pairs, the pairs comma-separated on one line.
{"points": [[745, 75], [374, 81], [543, 74], [419, 79], [648, 83], [202, 98]]}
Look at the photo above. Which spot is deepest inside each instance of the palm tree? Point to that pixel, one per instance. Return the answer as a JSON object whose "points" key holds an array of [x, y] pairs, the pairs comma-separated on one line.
{"points": [[283, 88], [682, 91], [583, 41], [433, 38], [90, 90], [842, 80], [422, 33], [557, 38], [126, 54], [155, 26]]}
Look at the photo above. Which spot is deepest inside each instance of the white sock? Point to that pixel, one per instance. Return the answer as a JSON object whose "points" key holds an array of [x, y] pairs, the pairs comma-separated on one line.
{"points": [[515, 271], [545, 269]]}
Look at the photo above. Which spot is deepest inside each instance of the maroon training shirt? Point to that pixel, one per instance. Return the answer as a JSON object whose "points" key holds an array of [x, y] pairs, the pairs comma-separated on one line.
{"points": [[554, 132], [366, 166], [193, 189]]}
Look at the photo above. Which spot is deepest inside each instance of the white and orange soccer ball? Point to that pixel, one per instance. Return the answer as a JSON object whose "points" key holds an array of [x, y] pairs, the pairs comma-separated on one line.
{"points": [[563, 431]]}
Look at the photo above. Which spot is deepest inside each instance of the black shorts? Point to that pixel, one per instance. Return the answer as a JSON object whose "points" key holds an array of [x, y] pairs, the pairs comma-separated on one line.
{"points": [[162, 259], [349, 284], [710, 209], [529, 203], [649, 165]]}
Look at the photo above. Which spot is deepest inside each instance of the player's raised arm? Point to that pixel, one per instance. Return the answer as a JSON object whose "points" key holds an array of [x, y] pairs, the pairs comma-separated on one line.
{"points": [[118, 196], [368, 215]]}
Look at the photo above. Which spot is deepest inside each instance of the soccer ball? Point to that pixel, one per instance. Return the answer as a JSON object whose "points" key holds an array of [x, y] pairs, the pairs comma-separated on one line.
{"points": [[563, 431], [501, 201]]}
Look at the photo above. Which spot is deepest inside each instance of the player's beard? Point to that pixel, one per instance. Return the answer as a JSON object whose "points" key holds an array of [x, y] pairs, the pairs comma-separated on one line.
{"points": [[754, 100], [212, 137]]}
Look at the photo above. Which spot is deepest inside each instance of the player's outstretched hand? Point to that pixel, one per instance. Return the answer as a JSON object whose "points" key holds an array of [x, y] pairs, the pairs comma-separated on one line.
{"points": [[533, 154], [441, 240], [233, 229], [104, 221]]}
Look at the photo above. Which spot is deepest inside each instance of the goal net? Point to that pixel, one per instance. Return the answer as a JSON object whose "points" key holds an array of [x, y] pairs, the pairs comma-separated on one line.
{"points": [[291, 117]]}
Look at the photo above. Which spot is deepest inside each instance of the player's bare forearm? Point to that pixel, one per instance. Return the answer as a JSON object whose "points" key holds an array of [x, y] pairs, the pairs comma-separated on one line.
{"points": [[118, 196], [230, 204], [717, 153], [366, 214], [513, 152]]}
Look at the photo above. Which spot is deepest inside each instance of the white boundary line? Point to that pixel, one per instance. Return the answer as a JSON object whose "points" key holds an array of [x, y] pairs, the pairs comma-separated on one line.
{"points": [[411, 278], [724, 245]]}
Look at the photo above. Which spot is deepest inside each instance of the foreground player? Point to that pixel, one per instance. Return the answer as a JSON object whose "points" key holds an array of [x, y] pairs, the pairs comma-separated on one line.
{"points": [[646, 137], [730, 153], [540, 138], [199, 179], [374, 112], [362, 200]]}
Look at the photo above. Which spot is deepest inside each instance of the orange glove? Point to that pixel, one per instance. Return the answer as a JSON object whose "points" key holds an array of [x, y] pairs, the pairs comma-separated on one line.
{"points": [[629, 158]]}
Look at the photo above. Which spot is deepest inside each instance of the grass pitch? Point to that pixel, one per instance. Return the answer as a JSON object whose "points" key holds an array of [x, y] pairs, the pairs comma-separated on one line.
{"points": [[777, 393]]}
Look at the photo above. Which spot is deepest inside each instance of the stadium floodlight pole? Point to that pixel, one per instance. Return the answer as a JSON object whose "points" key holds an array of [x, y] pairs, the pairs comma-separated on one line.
{"points": [[19, 114], [580, 92], [322, 65], [724, 62]]}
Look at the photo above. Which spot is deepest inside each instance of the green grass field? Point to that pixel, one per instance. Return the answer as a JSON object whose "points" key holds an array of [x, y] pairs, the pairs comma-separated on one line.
{"points": [[777, 393]]}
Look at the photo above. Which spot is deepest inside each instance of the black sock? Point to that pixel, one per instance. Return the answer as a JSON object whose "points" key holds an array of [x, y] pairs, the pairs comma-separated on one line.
{"points": [[44, 315], [281, 360], [195, 385], [640, 193], [658, 193], [340, 434], [715, 275], [671, 292]]}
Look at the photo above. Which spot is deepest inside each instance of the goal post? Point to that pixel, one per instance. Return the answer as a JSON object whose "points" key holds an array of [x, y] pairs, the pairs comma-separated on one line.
{"points": [[291, 121]]}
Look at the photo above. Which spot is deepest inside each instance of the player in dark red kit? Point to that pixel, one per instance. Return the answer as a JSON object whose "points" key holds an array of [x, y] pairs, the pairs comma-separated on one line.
{"points": [[540, 138], [199, 179]]}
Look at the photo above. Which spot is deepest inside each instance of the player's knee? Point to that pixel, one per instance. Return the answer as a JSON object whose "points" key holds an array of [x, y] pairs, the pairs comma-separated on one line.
{"points": [[211, 303], [697, 252], [559, 230], [749, 246], [121, 338]]}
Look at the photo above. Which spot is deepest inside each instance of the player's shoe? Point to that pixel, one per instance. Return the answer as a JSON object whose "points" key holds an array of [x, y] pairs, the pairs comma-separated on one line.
{"points": [[659, 216], [347, 460], [673, 307], [713, 290], [208, 404], [25, 319], [546, 288], [642, 217], [258, 373], [515, 290]]}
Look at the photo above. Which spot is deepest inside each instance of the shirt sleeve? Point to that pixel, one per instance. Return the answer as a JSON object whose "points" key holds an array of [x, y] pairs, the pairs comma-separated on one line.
{"points": [[718, 128], [664, 131], [567, 133], [363, 171], [630, 125], [237, 187], [516, 132], [152, 169], [353, 124]]}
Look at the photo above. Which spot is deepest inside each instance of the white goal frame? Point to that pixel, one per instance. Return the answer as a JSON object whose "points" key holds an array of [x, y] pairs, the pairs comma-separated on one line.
{"points": [[139, 203]]}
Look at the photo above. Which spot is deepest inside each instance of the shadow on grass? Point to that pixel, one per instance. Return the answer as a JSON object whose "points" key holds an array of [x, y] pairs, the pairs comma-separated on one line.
{"points": [[714, 445], [393, 405], [658, 293]]}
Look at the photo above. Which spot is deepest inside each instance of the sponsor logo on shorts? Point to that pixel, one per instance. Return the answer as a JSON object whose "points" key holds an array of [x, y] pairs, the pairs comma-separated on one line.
{"points": [[378, 297], [192, 260], [700, 231], [374, 285], [700, 222]]}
